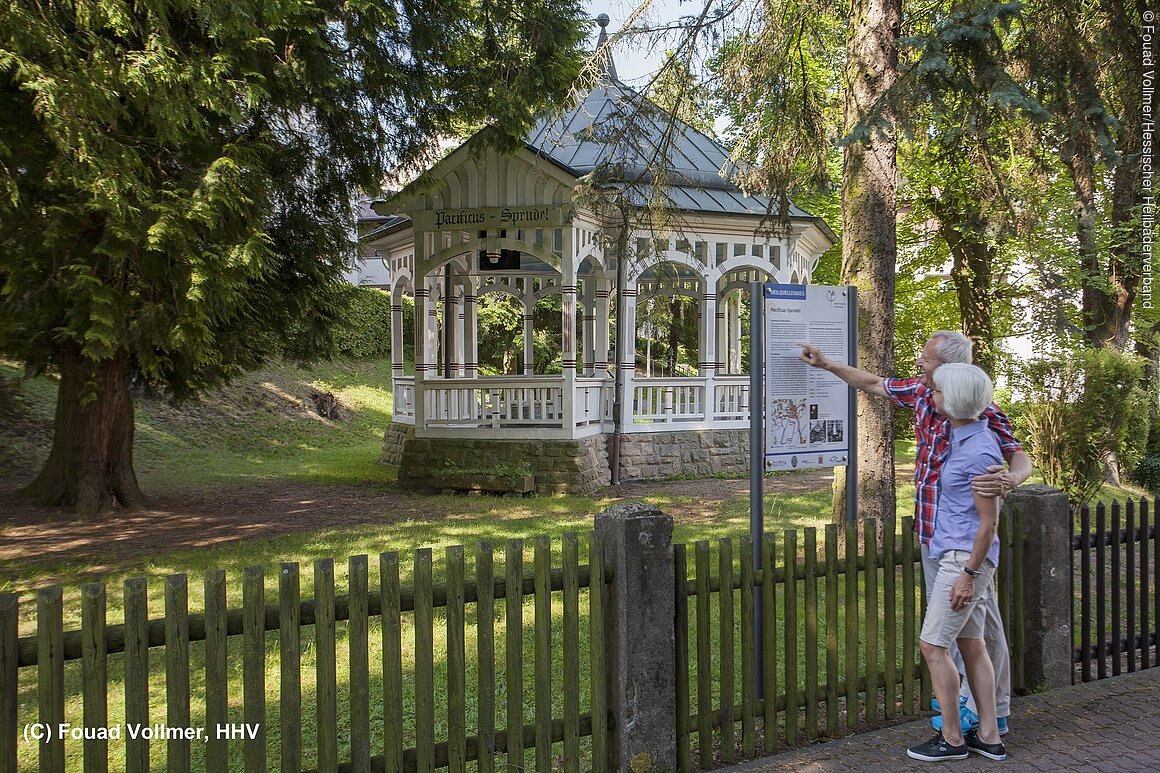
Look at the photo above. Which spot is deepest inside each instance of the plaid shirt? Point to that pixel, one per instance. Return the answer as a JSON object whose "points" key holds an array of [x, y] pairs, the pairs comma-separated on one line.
{"points": [[933, 433]]}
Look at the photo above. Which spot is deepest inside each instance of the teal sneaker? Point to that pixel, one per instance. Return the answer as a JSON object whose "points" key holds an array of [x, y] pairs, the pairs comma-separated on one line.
{"points": [[962, 702], [969, 721]]}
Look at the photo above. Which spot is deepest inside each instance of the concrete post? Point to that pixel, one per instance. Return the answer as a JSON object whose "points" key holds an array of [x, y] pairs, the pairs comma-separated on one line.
{"points": [[638, 546], [1046, 585]]}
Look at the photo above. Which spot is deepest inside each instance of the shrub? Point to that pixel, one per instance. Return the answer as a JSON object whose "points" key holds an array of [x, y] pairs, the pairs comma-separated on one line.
{"points": [[1147, 473], [1077, 418], [366, 332]]}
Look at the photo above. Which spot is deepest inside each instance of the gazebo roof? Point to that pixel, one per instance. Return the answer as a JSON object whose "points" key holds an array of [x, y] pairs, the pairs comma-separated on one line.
{"points": [[617, 126]]}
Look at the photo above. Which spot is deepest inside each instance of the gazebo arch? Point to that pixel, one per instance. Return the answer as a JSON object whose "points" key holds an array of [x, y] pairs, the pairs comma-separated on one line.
{"points": [[513, 224]]}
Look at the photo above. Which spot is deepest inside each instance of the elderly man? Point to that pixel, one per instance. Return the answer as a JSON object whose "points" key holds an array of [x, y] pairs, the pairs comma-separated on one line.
{"points": [[933, 433]]}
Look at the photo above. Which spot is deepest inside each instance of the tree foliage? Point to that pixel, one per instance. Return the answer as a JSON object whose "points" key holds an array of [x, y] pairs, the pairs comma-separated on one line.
{"points": [[176, 180]]}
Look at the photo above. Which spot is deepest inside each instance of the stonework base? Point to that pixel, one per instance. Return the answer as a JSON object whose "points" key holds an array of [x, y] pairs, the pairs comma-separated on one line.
{"points": [[572, 466]]}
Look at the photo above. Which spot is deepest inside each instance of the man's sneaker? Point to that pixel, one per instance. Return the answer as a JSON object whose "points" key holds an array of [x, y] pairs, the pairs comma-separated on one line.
{"points": [[1003, 726], [994, 751], [937, 749], [968, 719]]}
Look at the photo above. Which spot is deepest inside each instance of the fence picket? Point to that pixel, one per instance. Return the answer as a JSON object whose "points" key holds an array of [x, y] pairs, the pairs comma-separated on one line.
{"points": [[681, 636], [137, 672], [485, 655], [1130, 581], [254, 667], [456, 662], [725, 607], [290, 667], [514, 653], [50, 674], [95, 670], [908, 622], [358, 634], [748, 691], [851, 638], [392, 662], [1144, 629], [769, 643], [542, 558], [1117, 588], [326, 687], [811, 640], [1101, 603], [571, 565], [596, 627], [832, 630], [704, 660], [791, 638], [1085, 597], [9, 678], [424, 664], [216, 669], [870, 614], [177, 714], [889, 617]]}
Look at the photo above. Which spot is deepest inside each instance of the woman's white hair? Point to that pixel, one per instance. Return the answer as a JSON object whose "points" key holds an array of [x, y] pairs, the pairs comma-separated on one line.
{"points": [[966, 389], [953, 346]]}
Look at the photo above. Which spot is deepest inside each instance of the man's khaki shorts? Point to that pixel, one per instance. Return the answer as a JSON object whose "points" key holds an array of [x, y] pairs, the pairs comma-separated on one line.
{"points": [[943, 625]]}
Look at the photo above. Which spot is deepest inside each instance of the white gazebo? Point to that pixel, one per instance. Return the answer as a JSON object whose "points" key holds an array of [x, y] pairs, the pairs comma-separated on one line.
{"points": [[530, 226]]}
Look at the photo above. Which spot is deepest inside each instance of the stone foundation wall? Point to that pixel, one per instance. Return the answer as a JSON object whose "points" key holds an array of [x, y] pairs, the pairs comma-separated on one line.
{"points": [[394, 439], [574, 466], [697, 453]]}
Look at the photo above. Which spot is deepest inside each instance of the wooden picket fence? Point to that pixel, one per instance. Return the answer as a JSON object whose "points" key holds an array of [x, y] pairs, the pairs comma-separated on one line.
{"points": [[222, 630], [839, 634], [1117, 569]]}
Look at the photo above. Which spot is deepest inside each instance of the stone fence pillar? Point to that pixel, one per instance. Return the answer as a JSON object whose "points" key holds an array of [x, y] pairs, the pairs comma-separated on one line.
{"points": [[638, 545], [1046, 575]]}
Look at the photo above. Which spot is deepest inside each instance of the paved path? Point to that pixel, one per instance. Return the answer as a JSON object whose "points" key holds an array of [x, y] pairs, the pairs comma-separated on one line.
{"points": [[1109, 725]]}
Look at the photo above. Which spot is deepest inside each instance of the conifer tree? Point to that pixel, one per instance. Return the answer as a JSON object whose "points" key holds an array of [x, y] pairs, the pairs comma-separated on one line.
{"points": [[176, 181]]}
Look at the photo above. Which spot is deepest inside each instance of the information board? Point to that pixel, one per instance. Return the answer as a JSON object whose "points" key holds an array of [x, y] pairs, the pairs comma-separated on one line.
{"points": [[806, 408]]}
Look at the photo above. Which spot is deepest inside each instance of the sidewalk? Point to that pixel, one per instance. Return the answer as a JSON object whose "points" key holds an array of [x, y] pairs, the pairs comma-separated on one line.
{"points": [[1109, 725]]}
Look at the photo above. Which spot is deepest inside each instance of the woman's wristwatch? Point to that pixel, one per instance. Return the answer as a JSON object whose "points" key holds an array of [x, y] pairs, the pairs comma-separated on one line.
{"points": [[972, 573]]}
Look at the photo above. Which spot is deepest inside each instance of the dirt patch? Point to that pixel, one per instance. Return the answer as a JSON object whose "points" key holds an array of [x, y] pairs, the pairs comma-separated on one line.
{"points": [[32, 536]]}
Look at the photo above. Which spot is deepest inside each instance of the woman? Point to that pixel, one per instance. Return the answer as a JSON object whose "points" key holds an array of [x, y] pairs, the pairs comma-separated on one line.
{"points": [[966, 546]]}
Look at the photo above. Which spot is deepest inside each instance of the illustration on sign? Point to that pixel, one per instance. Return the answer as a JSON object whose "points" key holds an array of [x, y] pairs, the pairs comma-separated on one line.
{"points": [[806, 408]]}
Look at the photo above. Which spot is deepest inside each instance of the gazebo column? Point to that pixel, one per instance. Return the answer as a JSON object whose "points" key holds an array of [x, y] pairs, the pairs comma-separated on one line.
{"points": [[434, 350], [733, 322], [453, 332], [588, 361], [626, 334], [529, 330], [470, 317], [601, 328], [707, 356], [569, 291], [398, 367], [422, 339], [722, 335]]}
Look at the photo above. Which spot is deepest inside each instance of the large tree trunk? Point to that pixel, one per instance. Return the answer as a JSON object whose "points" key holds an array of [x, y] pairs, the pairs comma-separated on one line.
{"points": [[869, 249], [90, 466], [971, 274]]}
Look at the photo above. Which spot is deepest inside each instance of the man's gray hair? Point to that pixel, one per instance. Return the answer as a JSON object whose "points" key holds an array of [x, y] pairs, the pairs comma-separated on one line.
{"points": [[953, 346], [966, 389]]}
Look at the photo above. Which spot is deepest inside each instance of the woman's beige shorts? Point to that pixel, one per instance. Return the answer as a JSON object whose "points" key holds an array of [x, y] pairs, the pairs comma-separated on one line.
{"points": [[942, 625]]}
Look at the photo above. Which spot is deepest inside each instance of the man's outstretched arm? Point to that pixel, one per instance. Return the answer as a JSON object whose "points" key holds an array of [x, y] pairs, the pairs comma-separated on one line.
{"points": [[855, 377]]}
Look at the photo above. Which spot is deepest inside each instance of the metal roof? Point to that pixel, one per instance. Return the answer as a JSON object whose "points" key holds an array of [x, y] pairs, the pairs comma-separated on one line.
{"points": [[617, 126]]}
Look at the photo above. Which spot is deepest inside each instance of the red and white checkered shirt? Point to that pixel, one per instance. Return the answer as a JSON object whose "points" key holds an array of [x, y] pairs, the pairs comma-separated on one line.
{"points": [[933, 433]]}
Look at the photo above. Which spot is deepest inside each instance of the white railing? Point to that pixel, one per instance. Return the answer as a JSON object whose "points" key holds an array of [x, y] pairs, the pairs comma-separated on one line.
{"points": [[731, 399], [669, 400], [493, 402], [404, 399], [593, 403], [523, 406]]}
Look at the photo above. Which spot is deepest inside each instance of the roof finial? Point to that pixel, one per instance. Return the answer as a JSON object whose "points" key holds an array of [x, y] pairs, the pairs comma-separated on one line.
{"points": [[607, 67]]}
